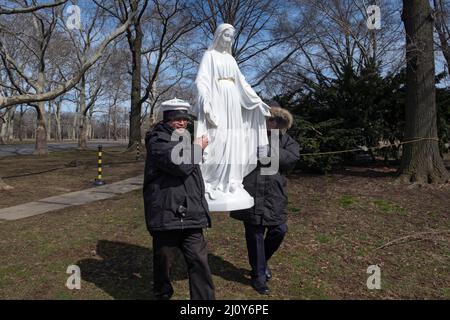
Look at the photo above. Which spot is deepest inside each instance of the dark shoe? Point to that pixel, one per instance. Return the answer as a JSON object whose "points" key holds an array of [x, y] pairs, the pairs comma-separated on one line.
{"points": [[163, 297], [268, 274], [260, 286]]}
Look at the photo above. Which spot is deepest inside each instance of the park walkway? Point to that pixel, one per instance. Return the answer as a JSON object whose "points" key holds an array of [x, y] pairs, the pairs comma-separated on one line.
{"points": [[8, 150], [71, 199]]}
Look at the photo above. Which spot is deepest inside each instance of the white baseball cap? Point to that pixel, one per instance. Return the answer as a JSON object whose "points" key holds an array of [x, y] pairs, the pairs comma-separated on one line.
{"points": [[176, 109]]}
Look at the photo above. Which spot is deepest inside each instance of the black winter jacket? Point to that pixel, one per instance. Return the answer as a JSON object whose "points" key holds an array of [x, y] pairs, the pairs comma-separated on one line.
{"points": [[270, 191], [174, 195]]}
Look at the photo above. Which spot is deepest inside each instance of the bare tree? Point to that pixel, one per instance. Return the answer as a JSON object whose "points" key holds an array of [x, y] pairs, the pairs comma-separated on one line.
{"points": [[421, 161], [154, 31], [258, 45], [22, 111], [328, 37], [6, 118], [90, 86], [252, 19], [58, 132], [31, 8], [135, 36], [442, 17], [40, 36], [117, 80], [70, 82], [4, 114]]}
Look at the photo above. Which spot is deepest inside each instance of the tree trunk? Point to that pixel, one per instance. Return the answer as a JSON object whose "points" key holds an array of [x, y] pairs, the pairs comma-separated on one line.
{"points": [[88, 128], [108, 126], [90, 123], [82, 137], [82, 133], [58, 135], [41, 131], [92, 132], [10, 126], [442, 30], [49, 121], [136, 105], [73, 131], [115, 133], [6, 127], [3, 130], [114, 122], [20, 126], [421, 161]]}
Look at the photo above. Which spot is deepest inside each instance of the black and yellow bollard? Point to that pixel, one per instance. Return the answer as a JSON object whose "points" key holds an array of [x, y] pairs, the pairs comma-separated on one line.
{"points": [[138, 151], [99, 181]]}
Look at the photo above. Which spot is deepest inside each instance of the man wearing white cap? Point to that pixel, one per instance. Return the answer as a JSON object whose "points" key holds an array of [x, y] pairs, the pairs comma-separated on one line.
{"points": [[176, 210]]}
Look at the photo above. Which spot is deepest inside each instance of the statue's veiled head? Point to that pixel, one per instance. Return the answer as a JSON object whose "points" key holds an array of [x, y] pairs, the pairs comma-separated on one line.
{"points": [[223, 38]]}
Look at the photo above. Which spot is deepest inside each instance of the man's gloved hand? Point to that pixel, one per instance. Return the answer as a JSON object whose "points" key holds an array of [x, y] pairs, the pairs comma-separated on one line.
{"points": [[264, 154]]}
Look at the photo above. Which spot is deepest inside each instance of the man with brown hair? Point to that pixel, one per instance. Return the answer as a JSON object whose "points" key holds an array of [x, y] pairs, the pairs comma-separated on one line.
{"points": [[265, 223]]}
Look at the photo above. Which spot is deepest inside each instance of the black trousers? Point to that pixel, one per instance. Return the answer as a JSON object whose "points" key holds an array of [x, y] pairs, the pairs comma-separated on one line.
{"points": [[260, 249], [193, 246]]}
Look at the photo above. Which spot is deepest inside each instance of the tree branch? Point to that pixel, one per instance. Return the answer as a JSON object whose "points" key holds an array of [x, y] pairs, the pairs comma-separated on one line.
{"points": [[32, 8]]}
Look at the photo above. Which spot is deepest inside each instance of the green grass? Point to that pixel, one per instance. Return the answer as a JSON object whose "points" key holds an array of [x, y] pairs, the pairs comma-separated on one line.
{"points": [[322, 238], [346, 201], [445, 293], [325, 254], [388, 207]]}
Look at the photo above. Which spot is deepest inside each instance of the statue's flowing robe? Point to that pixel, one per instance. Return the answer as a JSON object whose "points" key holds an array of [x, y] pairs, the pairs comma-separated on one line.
{"points": [[240, 117]]}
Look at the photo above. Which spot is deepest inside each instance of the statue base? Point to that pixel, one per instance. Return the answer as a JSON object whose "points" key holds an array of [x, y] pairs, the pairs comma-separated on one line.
{"points": [[238, 200]]}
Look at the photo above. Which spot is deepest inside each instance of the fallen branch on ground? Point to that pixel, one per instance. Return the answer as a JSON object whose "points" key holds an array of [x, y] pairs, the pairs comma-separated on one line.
{"points": [[414, 236]]}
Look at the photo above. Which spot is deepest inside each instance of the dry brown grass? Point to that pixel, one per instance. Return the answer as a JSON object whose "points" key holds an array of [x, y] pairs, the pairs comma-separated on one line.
{"points": [[73, 170], [337, 224]]}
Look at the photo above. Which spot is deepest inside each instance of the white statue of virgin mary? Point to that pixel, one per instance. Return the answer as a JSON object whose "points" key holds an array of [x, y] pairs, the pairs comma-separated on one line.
{"points": [[232, 115]]}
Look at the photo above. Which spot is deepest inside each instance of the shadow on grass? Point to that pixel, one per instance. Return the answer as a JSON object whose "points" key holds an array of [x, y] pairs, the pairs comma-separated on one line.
{"points": [[125, 271], [228, 271]]}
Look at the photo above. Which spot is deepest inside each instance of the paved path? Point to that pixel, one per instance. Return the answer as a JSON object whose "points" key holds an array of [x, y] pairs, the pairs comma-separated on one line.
{"points": [[21, 149], [70, 199]]}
